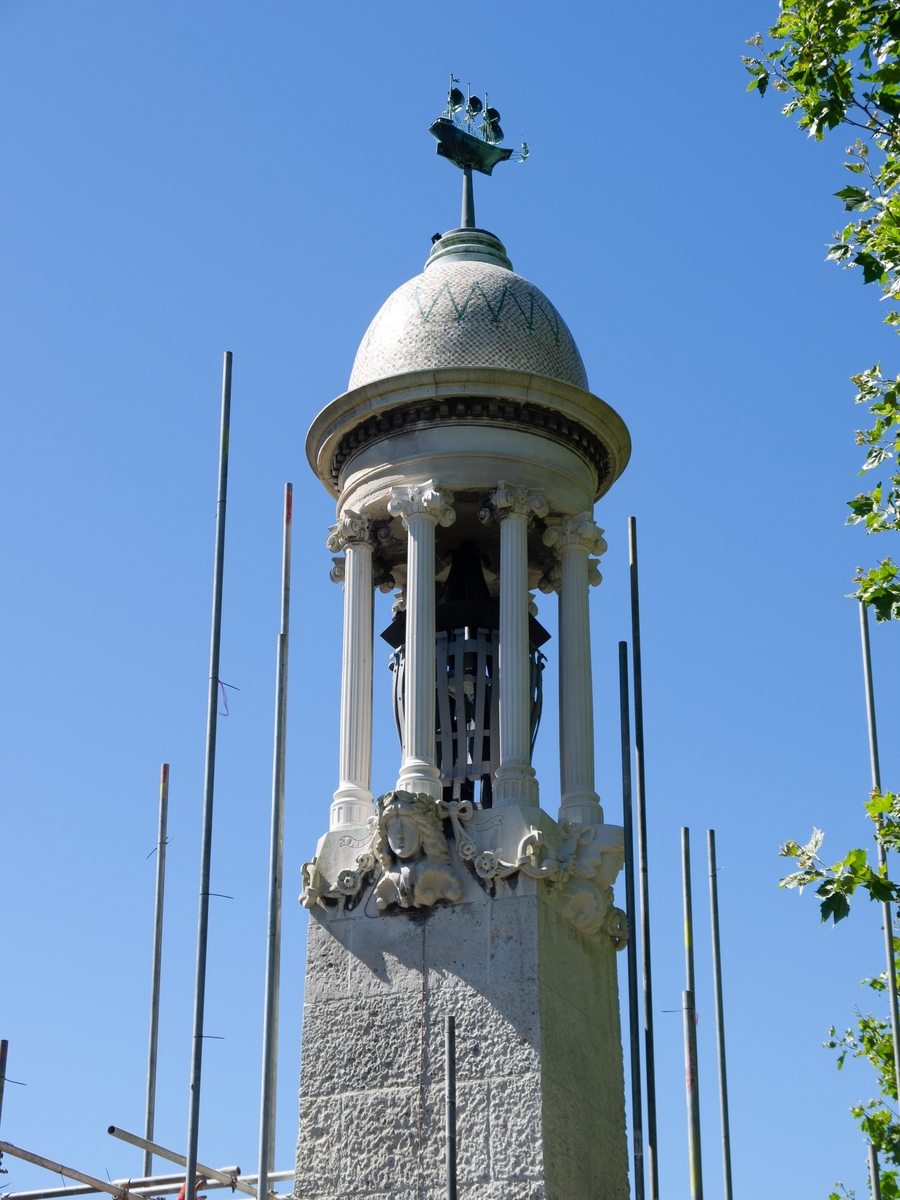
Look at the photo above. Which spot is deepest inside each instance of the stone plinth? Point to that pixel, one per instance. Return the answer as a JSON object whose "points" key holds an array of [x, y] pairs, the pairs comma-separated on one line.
{"points": [[539, 1059]]}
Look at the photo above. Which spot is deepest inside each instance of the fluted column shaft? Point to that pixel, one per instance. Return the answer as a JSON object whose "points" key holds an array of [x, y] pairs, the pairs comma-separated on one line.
{"points": [[421, 509], [514, 507], [353, 799], [573, 540]]}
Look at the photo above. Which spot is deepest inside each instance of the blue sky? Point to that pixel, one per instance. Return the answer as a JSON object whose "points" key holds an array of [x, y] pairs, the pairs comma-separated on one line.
{"points": [[179, 180]]}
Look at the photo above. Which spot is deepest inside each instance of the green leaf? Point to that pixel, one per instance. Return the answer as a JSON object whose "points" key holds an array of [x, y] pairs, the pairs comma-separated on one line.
{"points": [[856, 860], [836, 906], [854, 198], [814, 845], [879, 804], [873, 268]]}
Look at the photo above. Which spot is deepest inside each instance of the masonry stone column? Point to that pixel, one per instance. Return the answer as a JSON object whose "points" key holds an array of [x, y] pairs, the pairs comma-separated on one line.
{"points": [[514, 507], [353, 534], [573, 540], [421, 509]]}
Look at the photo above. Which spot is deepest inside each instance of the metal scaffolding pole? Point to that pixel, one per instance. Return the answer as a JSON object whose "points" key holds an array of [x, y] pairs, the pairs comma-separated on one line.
{"points": [[643, 877], [634, 1017], [152, 1185], [450, 1105], [201, 1171], [208, 790], [152, 1053], [268, 1098], [874, 1173], [99, 1185], [720, 1010], [690, 1026], [4, 1054], [886, 914]]}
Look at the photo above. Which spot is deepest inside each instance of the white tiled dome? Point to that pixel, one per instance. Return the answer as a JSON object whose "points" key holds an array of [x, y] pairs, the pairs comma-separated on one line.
{"points": [[466, 310]]}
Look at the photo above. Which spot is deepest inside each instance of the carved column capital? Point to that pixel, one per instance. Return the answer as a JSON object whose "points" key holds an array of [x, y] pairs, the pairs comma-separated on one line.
{"points": [[508, 500], [426, 501], [350, 529], [353, 529], [579, 532]]}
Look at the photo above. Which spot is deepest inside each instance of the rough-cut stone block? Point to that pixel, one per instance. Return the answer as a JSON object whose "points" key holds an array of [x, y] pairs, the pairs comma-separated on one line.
{"points": [[379, 1046], [456, 946], [473, 1133], [319, 1149], [516, 1154], [513, 940], [392, 961], [494, 1035], [327, 966], [503, 1191], [379, 1141]]}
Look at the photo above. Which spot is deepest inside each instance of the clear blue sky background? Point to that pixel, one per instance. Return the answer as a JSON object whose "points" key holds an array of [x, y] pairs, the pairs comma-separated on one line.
{"points": [[178, 180]]}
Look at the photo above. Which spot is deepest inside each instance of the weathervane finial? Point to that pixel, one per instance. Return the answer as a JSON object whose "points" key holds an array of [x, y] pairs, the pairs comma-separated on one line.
{"points": [[471, 147]]}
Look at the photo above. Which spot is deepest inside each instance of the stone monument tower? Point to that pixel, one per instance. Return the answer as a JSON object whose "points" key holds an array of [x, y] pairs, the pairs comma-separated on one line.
{"points": [[465, 458]]}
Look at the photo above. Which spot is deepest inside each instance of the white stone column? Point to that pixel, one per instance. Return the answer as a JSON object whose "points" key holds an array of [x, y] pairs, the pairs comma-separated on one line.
{"points": [[353, 799], [421, 509], [514, 508], [573, 540]]}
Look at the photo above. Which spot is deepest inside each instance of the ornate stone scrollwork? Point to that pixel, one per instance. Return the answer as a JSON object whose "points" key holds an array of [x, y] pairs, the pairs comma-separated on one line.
{"points": [[339, 570], [407, 855], [424, 500], [577, 869], [511, 500], [347, 886]]}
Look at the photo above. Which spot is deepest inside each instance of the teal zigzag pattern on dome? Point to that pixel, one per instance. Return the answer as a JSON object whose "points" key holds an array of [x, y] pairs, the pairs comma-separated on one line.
{"points": [[527, 310]]}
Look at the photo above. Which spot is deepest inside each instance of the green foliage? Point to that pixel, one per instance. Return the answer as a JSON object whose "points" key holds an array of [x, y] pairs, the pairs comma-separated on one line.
{"points": [[837, 65], [837, 62], [838, 882], [870, 1038]]}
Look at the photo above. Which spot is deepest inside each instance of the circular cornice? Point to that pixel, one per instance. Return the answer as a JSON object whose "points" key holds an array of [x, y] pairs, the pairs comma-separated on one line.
{"points": [[469, 395]]}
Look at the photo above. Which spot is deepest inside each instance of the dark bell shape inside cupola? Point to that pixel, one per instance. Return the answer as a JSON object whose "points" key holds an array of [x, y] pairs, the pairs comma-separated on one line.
{"points": [[467, 624]]}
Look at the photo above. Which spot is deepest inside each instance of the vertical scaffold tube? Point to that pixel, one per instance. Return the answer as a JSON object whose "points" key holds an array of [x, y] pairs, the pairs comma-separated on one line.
{"points": [[643, 876], [887, 919], [268, 1097], [190, 1180], [690, 1026], [450, 1104], [634, 1019], [155, 975], [720, 1011]]}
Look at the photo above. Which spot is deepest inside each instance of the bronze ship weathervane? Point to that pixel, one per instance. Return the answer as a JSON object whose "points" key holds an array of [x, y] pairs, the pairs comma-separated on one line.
{"points": [[470, 144]]}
